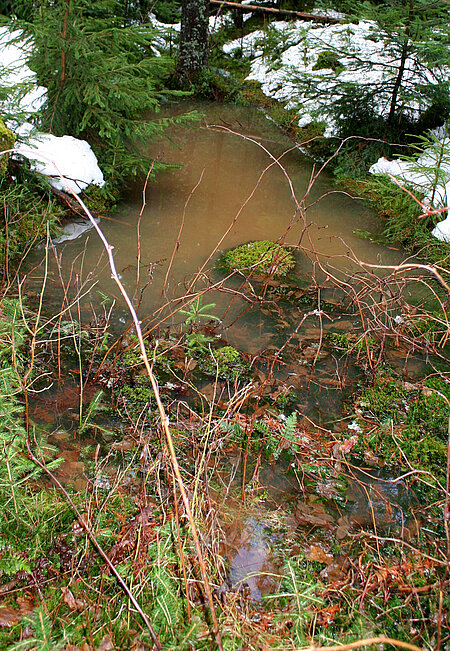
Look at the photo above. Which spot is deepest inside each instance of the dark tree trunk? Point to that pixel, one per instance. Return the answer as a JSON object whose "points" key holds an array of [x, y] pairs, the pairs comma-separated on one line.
{"points": [[193, 54], [398, 81], [401, 70]]}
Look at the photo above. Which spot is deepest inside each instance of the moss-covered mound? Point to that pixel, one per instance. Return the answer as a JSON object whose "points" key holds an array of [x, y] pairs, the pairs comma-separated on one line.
{"points": [[6, 142], [225, 362], [267, 258]]}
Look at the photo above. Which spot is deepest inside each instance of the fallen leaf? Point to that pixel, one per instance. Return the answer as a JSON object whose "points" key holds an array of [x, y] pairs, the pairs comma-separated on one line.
{"points": [[9, 616], [106, 644], [316, 553], [71, 601], [26, 605], [307, 514], [191, 364]]}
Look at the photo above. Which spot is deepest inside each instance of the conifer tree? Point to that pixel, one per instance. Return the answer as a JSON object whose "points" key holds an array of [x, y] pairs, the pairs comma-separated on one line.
{"points": [[415, 43], [103, 79], [414, 31]]}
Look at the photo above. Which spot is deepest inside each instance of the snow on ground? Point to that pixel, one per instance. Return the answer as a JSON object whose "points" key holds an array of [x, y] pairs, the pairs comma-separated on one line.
{"points": [[166, 30], [285, 54], [50, 155], [24, 95], [429, 176], [65, 156]]}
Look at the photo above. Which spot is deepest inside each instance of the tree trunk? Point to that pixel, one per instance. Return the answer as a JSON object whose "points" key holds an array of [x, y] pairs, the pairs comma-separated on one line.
{"points": [[193, 54], [398, 81], [401, 69]]}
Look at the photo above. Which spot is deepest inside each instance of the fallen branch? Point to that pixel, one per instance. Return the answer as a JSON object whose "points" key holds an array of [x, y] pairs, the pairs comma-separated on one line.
{"points": [[272, 10]]}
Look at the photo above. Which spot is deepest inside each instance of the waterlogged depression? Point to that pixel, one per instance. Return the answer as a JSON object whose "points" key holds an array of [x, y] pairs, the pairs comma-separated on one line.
{"points": [[227, 189], [235, 183]]}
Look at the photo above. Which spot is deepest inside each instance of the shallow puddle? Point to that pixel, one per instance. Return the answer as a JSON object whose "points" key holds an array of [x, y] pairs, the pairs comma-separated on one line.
{"points": [[228, 191], [314, 516]]}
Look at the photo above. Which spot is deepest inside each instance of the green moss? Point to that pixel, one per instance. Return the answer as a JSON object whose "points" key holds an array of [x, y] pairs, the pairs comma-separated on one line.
{"points": [[7, 139], [328, 60], [267, 258], [419, 416], [226, 363]]}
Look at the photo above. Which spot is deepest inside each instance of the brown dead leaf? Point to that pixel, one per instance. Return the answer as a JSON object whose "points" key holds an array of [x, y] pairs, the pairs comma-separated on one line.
{"points": [[26, 605], [316, 553], [344, 526], [191, 364], [106, 644], [124, 445], [9, 616], [71, 601], [333, 572], [312, 514]]}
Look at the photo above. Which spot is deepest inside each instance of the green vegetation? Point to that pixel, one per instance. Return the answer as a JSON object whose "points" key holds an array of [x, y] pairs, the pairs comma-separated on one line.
{"points": [[198, 311], [348, 506], [412, 422], [263, 257], [28, 208], [7, 139], [225, 362], [103, 80], [328, 59]]}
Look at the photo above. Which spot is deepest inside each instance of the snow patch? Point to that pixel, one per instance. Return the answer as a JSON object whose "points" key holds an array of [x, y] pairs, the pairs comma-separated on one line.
{"points": [[429, 176], [73, 230], [23, 93], [65, 156], [363, 55]]}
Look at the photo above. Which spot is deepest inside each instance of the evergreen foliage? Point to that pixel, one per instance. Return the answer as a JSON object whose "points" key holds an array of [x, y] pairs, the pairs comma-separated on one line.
{"points": [[27, 209], [15, 466], [415, 38], [103, 80]]}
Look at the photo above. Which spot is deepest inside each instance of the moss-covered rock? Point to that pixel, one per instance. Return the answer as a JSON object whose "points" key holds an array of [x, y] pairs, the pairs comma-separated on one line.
{"points": [[6, 142], [265, 257], [225, 362]]}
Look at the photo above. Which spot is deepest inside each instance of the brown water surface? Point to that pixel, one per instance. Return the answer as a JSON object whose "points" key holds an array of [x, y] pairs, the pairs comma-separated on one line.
{"points": [[231, 181]]}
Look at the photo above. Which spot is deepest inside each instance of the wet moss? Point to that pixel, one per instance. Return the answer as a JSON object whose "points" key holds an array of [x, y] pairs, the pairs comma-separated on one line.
{"points": [[226, 362], [412, 421], [265, 257], [7, 139]]}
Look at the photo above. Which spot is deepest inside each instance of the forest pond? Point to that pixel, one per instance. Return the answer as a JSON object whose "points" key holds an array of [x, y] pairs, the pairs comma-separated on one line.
{"points": [[227, 183], [236, 178]]}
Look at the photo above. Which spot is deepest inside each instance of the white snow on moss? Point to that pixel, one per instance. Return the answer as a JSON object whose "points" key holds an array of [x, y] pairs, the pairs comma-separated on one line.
{"points": [[428, 176], [65, 156], [286, 53]]}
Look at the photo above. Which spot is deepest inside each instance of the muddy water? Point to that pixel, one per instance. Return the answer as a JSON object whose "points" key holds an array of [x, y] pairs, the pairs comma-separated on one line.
{"points": [[226, 180], [314, 518], [236, 182]]}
